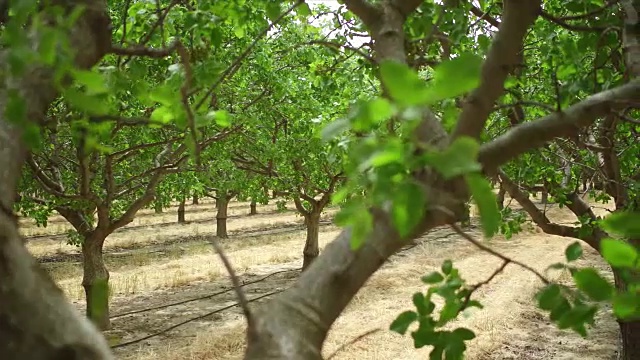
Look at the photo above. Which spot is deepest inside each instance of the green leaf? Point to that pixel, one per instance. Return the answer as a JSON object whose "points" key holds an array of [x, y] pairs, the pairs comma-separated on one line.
{"points": [[32, 136], [485, 199], [446, 267], [91, 104], [163, 115], [403, 84], [47, 47], [618, 253], [403, 321], [549, 297], [92, 81], [625, 223], [626, 305], [464, 334], [16, 108], [422, 304], [333, 129], [408, 208], [456, 76], [573, 251], [304, 9], [273, 10], [221, 118], [458, 159], [589, 281], [432, 278]]}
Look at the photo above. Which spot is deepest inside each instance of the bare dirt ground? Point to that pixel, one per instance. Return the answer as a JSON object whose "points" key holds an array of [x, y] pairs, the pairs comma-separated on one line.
{"points": [[177, 265]]}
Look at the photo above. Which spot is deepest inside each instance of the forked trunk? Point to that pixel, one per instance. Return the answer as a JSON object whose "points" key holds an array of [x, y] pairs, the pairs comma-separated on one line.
{"points": [[311, 245], [221, 217], [181, 218], [196, 199], [253, 208], [96, 281]]}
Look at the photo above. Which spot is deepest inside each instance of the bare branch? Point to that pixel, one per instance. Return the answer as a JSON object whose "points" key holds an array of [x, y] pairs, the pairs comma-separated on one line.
{"points": [[144, 51], [353, 341]]}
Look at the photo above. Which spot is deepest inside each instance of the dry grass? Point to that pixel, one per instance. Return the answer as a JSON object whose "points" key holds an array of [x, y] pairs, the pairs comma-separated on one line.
{"points": [[508, 320], [195, 267]]}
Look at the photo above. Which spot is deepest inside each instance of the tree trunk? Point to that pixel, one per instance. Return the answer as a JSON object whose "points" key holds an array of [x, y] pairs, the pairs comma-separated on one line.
{"points": [[157, 206], [196, 199], [222, 203], [96, 281], [181, 218], [253, 208], [311, 244], [500, 198], [629, 329]]}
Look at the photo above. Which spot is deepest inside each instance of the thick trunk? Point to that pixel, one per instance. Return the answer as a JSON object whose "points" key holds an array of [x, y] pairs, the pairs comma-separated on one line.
{"points": [[196, 199], [253, 208], [157, 206], [311, 245], [222, 203], [181, 218], [629, 330], [95, 281]]}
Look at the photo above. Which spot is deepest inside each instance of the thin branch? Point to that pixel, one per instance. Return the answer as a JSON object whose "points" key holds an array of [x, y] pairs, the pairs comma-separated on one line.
{"points": [[353, 341], [489, 250], [143, 51], [564, 24], [237, 287]]}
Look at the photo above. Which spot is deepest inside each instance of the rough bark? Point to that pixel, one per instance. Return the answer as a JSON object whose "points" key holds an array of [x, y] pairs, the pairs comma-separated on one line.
{"points": [[36, 320], [95, 280], [222, 203], [195, 200], [311, 244], [181, 211], [253, 208], [629, 329]]}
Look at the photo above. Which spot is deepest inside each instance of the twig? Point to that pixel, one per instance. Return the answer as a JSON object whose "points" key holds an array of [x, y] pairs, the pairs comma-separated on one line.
{"points": [[353, 341], [477, 286], [489, 250], [237, 287]]}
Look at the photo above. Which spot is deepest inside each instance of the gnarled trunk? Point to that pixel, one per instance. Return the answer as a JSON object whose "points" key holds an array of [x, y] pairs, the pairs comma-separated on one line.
{"points": [[181, 218], [222, 203], [253, 208], [311, 244], [95, 280]]}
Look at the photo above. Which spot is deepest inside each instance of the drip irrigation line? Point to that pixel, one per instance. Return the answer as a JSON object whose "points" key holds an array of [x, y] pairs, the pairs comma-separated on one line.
{"points": [[191, 320], [200, 297]]}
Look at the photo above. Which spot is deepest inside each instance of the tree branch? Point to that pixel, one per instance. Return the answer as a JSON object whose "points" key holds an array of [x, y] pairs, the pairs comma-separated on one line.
{"points": [[531, 135], [501, 59]]}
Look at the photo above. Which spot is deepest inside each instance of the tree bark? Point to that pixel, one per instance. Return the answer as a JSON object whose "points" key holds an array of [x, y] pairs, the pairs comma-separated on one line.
{"points": [[181, 210], [253, 208], [196, 199], [500, 198], [157, 207], [222, 203], [311, 244], [629, 329], [95, 280]]}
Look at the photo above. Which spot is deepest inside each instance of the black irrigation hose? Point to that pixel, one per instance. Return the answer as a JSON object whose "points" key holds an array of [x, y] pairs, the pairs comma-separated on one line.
{"points": [[190, 320], [201, 297], [163, 331]]}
